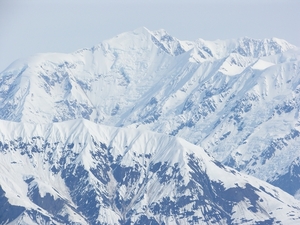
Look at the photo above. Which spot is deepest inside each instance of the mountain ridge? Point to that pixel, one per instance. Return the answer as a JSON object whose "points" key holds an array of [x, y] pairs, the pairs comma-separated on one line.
{"points": [[236, 99], [120, 175]]}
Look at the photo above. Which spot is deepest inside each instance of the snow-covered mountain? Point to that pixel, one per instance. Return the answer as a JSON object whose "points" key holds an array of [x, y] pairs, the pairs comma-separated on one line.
{"points": [[79, 172], [238, 100]]}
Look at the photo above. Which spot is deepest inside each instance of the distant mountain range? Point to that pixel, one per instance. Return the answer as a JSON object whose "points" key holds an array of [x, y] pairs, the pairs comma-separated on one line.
{"points": [[65, 159]]}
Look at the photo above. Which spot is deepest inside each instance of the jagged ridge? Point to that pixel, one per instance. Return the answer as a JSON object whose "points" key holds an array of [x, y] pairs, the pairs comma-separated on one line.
{"points": [[81, 172], [238, 99]]}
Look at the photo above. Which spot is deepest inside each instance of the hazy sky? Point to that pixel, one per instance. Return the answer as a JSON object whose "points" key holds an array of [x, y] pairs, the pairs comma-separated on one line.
{"points": [[34, 26]]}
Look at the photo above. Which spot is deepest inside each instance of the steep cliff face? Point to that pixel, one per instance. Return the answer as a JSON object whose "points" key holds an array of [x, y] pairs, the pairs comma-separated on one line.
{"points": [[237, 99]]}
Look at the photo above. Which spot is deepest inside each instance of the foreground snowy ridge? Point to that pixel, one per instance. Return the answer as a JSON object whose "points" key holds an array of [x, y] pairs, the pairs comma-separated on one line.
{"points": [[81, 172]]}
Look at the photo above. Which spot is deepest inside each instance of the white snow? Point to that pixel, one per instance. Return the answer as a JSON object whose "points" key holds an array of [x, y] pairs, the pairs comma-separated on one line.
{"points": [[261, 65], [130, 143], [222, 95]]}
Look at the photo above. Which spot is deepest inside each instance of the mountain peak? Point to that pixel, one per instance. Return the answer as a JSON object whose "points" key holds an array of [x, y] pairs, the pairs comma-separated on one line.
{"points": [[170, 44], [245, 47], [160, 33], [141, 30], [262, 47], [229, 96]]}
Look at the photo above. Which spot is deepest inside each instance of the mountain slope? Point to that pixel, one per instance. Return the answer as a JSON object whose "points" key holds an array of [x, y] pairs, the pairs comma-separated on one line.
{"points": [[238, 99], [81, 172]]}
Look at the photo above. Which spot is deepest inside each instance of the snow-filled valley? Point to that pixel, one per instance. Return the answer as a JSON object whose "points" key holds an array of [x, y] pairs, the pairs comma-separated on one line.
{"points": [[121, 132]]}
